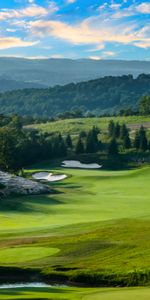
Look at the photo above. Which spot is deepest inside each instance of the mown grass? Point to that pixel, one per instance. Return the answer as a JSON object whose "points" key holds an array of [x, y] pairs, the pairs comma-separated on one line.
{"points": [[74, 126], [99, 221], [25, 254], [76, 294], [86, 196]]}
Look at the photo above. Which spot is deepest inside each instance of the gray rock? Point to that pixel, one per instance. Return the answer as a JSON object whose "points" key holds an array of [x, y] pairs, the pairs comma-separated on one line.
{"points": [[19, 185]]}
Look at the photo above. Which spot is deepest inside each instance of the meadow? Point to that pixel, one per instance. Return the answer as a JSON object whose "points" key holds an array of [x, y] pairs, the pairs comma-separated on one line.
{"points": [[74, 126]]}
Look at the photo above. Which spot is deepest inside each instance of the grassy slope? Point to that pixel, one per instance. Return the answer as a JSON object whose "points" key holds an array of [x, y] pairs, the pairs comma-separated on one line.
{"points": [[112, 208], [73, 126], [76, 294]]}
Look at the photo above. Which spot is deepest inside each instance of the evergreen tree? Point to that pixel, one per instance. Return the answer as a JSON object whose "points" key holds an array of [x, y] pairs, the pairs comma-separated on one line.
{"points": [[123, 131], [79, 147], [143, 146], [92, 142], [60, 138], [144, 105], [143, 139], [69, 141], [136, 142], [111, 128], [117, 130], [63, 149], [83, 134], [95, 131], [113, 147], [143, 143], [127, 141], [59, 148]]}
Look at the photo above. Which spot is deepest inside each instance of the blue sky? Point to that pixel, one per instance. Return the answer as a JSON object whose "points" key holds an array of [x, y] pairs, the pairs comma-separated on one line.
{"points": [[95, 29]]}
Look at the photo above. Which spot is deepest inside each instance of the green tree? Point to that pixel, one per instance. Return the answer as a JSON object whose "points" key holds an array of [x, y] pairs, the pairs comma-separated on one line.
{"points": [[69, 141], [9, 154], [123, 131], [127, 141], [143, 139], [117, 130], [79, 146], [136, 142], [59, 148], [113, 147], [111, 128], [92, 142], [144, 105]]}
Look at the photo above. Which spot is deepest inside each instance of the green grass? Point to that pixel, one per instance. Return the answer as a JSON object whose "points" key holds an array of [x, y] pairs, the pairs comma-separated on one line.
{"points": [[76, 294], [99, 221], [84, 197], [25, 254], [74, 126]]}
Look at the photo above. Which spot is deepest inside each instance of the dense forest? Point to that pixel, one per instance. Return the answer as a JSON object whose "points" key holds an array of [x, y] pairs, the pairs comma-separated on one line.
{"points": [[20, 147], [104, 95], [7, 84]]}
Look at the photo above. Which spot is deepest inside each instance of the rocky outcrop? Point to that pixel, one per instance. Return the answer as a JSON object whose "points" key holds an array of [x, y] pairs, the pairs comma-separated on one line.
{"points": [[19, 185]]}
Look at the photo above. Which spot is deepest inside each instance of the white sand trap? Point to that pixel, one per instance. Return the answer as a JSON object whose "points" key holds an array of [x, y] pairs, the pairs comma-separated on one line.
{"points": [[78, 164], [48, 176]]}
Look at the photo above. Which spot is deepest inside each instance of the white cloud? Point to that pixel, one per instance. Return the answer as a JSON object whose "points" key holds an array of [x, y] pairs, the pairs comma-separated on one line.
{"points": [[144, 8], [109, 53], [95, 57], [70, 1], [57, 56], [30, 11], [13, 42], [11, 30], [115, 6], [97, 48], [94, 31], [104, 55]]}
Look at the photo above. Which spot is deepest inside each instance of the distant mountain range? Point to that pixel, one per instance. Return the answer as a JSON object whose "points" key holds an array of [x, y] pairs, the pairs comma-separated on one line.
{"points": [[21, 73], [10, 85], [103, 95]]}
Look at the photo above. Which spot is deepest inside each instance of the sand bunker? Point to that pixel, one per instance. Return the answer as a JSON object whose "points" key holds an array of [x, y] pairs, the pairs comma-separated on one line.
{"points": [[48, 176], [78, 164]]}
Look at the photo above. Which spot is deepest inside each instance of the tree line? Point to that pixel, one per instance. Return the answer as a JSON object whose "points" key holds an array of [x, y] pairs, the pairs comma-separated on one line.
{"points": [[99, 96], [117, 140], [21, 147]]}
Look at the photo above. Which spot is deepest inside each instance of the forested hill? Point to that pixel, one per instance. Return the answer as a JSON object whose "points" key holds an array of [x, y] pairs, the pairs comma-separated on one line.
{"points": [[107, 94], [10, 85], [51, 72]]}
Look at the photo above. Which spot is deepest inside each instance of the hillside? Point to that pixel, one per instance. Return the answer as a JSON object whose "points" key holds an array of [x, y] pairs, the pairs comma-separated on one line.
{"points": [[74, 126], [10, 85], [108, 94], [52, 72]]}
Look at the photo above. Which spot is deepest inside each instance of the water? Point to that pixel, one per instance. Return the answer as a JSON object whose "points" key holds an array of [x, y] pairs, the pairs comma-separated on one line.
{"points": [[29, 285]]}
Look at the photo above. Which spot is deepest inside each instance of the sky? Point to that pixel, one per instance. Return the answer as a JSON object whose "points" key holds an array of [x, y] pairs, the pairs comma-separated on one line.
{"points": [[75, 29]]}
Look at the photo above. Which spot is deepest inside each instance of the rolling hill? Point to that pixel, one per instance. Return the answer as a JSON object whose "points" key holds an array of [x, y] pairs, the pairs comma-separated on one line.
{"points": [[52, 72], [10, 85], [103, 95]]}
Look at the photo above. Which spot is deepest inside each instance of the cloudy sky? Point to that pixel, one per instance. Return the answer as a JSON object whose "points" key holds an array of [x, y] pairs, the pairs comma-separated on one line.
{"points": [[75, 29]]}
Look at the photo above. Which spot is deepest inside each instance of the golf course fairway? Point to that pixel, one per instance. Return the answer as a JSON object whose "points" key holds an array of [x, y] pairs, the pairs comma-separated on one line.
{"points": [[76, 294], [95, 225]]}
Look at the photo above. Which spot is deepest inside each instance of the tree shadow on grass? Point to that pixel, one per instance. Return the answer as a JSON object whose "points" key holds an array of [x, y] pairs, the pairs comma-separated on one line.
{"points": [[27, 204], [65, 185], [20, 292]]}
